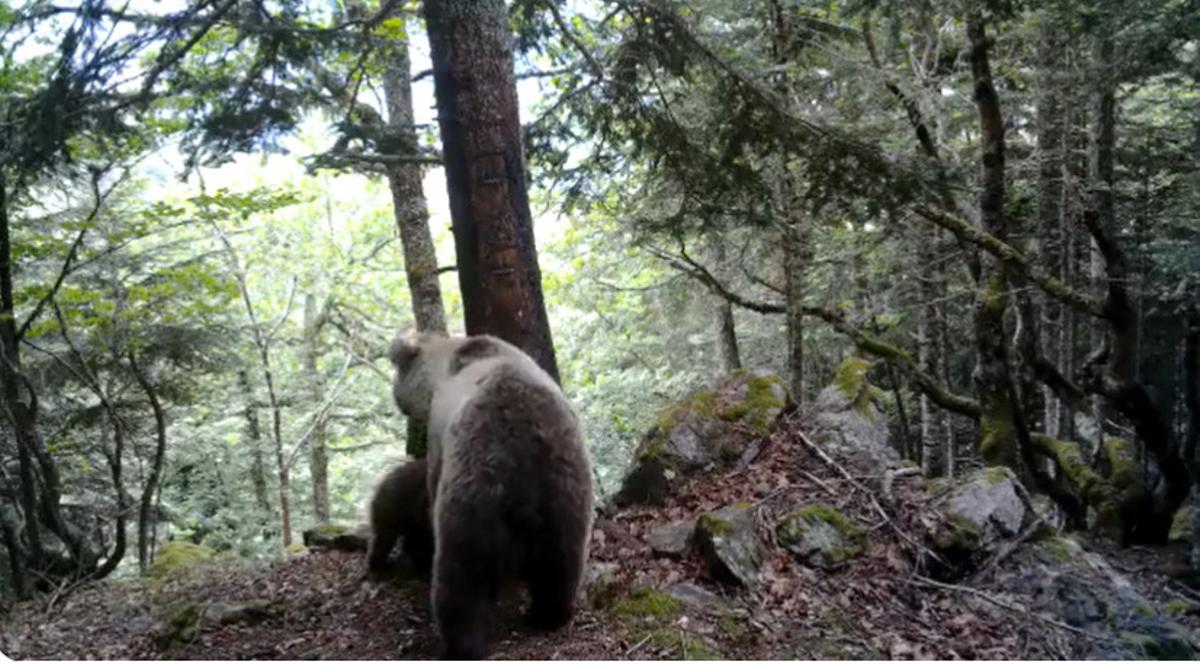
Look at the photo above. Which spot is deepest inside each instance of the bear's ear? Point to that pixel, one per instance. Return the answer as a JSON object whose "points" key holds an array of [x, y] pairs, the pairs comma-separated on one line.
{"points": [[404, 350], [473, 349]]}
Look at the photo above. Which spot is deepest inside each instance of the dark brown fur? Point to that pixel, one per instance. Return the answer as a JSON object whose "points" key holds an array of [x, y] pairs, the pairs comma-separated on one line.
{"points": [[400, 510], [512, 496]]}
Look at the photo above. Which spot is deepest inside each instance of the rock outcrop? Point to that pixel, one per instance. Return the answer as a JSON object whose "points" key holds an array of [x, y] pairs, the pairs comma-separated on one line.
{"points": [[707, 429]]}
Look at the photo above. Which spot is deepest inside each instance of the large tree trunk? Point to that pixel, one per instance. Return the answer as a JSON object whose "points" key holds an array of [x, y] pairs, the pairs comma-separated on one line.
{"points": [[318, 456], [470, 44], [146, 513], [998, 443]]}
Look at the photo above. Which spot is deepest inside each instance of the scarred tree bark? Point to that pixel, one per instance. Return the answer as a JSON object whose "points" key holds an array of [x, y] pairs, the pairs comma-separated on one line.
{"points": [[470, 45]]}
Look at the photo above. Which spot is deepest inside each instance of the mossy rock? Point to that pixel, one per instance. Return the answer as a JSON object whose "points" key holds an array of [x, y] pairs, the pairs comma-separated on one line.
{"points": [[821, 535], [850, 378], [186, 620], [729, 544], [847, 417], [176, 556], [765, 397], [1160, 646], [1183, 524], [1059, 549], [710, 427], [651, 614], [341, 537], [1181, 607], [990, 499], [1123, 488], [672, 540]]}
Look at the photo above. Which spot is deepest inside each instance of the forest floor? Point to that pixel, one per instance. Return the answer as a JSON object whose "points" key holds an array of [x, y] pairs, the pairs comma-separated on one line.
{"points": [[319, 605]]}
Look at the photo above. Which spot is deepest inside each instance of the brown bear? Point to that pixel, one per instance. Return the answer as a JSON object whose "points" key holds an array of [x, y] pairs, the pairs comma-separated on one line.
{"points": [[509, 478], [400, 509]]}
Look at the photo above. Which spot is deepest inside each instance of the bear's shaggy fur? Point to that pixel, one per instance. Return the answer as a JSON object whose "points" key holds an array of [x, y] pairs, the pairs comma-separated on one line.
{"points": [[400, 509], [509, 478]]}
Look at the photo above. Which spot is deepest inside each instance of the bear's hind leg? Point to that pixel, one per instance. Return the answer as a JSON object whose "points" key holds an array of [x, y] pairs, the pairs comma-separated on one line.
{"points": [[553, 581], [383, 539], [458, 607], [469, 542]]}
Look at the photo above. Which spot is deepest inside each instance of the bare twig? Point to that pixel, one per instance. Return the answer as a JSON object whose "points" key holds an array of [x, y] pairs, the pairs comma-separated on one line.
{"points": [[820, 483], [637, 646]]}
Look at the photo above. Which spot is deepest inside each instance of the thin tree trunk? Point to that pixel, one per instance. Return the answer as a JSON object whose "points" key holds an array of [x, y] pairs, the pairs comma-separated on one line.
{"points": [[471, 48], [1101, 143], [318, 457], [726, 331], [146, 514], [794, 263], [408, 198], [412, 219], [727, 342], [115, 460], [931, 441], [1050, 191], [258, 469], [20, 414], [263, 344], [12, 543], [998, 444]]}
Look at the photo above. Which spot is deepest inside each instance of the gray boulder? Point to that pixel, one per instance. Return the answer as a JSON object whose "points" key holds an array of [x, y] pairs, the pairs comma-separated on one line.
{"points": [[672, 540], [731, 549], [989, 500], [848, 416]]}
